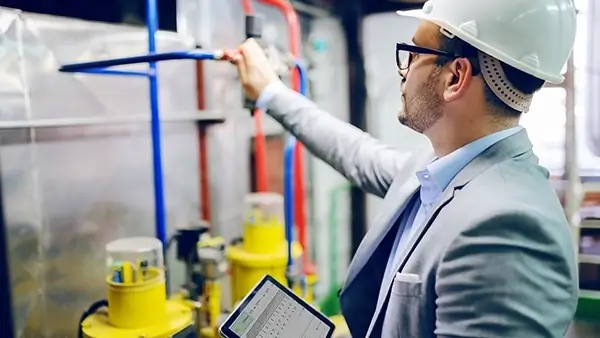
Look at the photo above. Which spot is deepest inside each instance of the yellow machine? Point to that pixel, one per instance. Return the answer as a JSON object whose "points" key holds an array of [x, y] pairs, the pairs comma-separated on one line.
{"points": [[263, 249], [136, 281], [137, 296]]}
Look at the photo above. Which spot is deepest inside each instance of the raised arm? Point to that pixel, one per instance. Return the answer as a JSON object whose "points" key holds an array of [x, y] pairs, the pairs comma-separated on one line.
{"points": [[355, 154]]}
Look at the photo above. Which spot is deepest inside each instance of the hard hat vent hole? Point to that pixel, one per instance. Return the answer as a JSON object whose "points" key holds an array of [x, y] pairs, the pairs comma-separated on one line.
{"points": [[494, 76]]}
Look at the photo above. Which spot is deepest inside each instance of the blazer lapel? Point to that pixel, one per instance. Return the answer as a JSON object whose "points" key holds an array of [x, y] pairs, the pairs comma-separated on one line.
{"points": [[510, 147], [390, 212]]}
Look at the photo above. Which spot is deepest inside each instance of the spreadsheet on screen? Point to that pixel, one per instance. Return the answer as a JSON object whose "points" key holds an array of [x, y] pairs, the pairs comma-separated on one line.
{"points": [[273, 313]]}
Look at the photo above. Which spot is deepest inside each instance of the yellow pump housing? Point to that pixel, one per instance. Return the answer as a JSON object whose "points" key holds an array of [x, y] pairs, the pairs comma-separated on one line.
{"points": [[263, 249], [137, 304]]}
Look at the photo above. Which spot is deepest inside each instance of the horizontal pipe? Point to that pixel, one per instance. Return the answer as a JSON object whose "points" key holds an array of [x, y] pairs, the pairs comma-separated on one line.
{"points": [[203, 116], [196, 54], [104, 71]]}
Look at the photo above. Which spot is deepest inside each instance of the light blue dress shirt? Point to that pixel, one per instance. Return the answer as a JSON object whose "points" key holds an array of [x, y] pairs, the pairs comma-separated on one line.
{"points": [[434, 180]]}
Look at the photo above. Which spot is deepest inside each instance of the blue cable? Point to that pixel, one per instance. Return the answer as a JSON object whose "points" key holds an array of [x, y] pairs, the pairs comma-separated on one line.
{"points": [[288, 186]]}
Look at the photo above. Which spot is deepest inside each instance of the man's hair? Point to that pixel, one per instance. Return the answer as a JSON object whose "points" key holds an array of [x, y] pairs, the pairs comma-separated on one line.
{"points": [[520, 80]]}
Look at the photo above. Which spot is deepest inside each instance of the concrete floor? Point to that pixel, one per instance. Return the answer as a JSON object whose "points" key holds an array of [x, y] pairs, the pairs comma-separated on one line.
{"points": [[584, 330]]}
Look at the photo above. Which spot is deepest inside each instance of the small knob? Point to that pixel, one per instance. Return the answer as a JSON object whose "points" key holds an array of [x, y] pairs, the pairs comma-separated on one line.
{"points": [[254, 26]]}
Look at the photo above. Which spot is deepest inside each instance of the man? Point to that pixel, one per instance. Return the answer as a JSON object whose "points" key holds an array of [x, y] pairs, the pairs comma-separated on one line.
{"points": [[471, 240]]}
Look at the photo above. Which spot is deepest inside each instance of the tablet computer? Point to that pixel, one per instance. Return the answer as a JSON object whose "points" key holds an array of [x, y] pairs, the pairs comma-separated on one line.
{"points": [[271, 310]]}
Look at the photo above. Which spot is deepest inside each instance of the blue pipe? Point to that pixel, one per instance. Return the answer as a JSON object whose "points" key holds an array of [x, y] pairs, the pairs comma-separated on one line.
{"points": [[105, 71], [302, 77], [288, 192], [288, 185], [152, 56], [159, 196]]}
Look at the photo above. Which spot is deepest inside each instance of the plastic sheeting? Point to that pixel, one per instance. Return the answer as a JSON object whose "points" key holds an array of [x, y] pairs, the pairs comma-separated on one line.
{"points": [[69, 191]]}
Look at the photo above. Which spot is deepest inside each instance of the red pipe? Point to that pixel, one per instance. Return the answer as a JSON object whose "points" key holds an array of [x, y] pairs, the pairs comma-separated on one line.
{"points": [[202, 149], [260, 141], [247, 6], [294, 37]]}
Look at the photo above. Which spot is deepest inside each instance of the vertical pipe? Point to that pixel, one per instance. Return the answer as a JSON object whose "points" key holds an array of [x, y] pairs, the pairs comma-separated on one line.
{"points": [[295, 40], [288, 191], [159, 198], [7, 328], [352, 17], [203, 149]]}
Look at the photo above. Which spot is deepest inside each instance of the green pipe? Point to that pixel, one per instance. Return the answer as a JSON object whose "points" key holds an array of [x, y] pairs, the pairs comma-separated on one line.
{"points": [[330, 305]]}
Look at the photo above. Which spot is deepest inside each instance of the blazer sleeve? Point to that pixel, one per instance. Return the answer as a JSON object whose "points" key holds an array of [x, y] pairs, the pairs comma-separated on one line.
{"points": [[358, 156], [509, 276]]}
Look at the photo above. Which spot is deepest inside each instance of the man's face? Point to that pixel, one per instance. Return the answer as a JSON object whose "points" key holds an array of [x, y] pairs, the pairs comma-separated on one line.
{"points": [[421, 99]]}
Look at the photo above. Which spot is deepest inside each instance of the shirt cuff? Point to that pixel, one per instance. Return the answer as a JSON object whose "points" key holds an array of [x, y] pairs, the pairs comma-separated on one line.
{"points": [[267, 95]]}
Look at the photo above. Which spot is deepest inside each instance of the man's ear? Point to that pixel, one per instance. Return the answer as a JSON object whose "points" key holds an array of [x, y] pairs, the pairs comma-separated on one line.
{"points": [[457, 79]]}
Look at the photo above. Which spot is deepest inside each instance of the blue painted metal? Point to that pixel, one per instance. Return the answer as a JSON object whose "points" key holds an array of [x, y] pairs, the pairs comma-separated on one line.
{"points": [[197, 54], [159, 196], [104, 71]]}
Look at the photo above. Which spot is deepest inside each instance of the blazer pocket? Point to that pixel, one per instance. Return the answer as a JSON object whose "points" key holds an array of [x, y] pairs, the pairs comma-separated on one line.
{"points": [[403, 315], [406, 285]]}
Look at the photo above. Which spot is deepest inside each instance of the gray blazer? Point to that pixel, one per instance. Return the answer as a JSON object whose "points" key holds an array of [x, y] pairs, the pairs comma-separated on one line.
{"points": [[495, 258]]}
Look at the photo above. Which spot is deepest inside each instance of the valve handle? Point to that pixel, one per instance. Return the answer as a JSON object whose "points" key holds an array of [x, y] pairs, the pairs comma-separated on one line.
{"points": [[254, 29]]}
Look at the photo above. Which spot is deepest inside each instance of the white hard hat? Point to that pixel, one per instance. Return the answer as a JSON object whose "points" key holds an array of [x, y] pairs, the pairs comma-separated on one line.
{"points": [[534, 36]]}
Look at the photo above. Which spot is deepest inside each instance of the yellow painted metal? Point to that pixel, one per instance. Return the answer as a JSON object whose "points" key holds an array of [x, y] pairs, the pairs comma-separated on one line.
{"points": [[262, 233], [178, 317], [138, 304], [247, 268], [208, 332], [210, 242], [263, 251], [213, 291]]}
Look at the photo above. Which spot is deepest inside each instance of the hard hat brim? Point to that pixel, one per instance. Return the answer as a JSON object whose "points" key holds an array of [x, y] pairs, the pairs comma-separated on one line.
{"points": [[414, 13]]}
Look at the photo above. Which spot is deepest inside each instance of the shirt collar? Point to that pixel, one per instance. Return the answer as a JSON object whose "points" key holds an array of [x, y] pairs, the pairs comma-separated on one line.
{"points": [[438, 174]]}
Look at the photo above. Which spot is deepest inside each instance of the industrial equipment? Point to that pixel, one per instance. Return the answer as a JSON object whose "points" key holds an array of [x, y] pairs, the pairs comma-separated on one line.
{"points": [[138, 305], [262, 250], [136, 302]]}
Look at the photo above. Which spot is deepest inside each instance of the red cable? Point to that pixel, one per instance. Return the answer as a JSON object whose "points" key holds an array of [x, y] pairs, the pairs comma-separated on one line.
{"points": [[294, 38]]}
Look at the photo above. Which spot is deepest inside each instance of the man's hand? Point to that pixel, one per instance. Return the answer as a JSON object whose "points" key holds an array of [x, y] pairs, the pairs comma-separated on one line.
{"points": [[254, 69]]}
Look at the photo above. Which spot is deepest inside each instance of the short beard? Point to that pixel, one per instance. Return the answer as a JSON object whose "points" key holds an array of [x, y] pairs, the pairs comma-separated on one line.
{"points": [[423, 110]]}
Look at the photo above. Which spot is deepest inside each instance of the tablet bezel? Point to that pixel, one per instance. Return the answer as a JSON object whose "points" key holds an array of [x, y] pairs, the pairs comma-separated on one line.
{"points": [[225, 329]]}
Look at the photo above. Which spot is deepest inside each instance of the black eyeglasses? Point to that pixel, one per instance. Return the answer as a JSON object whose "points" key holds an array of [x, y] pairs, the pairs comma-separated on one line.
{"points": [[405, 54]]}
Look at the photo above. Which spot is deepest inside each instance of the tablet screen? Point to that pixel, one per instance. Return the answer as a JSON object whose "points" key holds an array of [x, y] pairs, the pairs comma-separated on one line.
{"points": [[271, 310]]}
